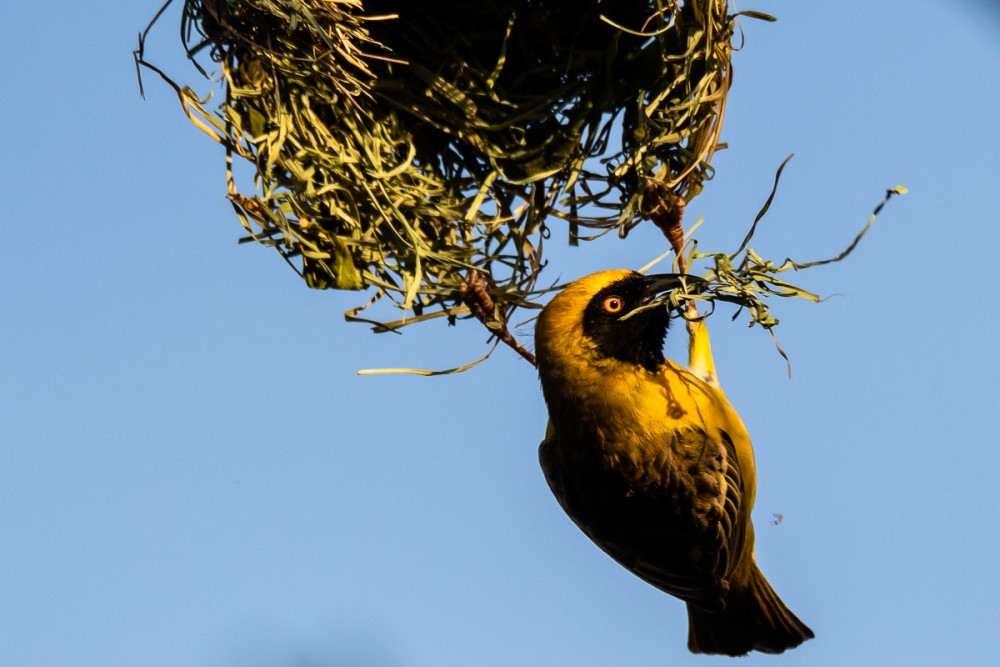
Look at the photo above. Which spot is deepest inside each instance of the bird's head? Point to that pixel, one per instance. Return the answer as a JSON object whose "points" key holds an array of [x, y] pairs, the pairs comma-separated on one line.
{"points": [[592, 324]]}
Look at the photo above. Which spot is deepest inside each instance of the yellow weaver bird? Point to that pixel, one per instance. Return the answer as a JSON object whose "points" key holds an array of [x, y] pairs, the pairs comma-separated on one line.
{"points": [[652, 463]]}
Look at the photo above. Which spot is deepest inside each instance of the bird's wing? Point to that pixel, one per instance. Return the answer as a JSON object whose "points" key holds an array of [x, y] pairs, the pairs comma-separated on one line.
{"points": [[710, 487], [681, 530], [735, 516]]}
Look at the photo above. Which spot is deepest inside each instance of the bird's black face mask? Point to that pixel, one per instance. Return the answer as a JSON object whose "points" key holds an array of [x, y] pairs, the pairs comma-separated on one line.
{"points": [[637, 339]]}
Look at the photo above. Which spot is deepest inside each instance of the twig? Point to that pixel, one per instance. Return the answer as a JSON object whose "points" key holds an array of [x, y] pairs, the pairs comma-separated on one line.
{"points": [[666, 210], [473, 293]]}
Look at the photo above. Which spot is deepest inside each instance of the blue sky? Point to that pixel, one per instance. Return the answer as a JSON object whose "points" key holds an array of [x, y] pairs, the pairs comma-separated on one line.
{"points": [[191, 473]]}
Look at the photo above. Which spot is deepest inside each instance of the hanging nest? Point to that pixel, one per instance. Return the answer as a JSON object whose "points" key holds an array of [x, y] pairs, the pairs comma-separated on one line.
{"points": [[426, 148]]}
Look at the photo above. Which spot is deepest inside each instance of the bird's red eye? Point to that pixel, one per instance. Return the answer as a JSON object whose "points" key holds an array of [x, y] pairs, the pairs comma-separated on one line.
{"points": [[613, 304]]}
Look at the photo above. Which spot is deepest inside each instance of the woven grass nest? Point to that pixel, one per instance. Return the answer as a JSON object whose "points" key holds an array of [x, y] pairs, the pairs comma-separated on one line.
{"points": [[426, 148]]}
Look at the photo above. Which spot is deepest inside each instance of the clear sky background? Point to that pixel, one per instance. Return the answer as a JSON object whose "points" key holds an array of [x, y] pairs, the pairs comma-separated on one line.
{"points": [[192, 474]]}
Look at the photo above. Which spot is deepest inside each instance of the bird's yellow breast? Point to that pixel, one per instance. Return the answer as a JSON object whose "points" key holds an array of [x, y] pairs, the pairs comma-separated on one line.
{"points": [[632, 415]]}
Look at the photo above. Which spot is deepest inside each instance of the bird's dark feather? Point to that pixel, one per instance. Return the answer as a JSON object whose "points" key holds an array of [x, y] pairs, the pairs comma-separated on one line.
{"points": [[674, 522]]}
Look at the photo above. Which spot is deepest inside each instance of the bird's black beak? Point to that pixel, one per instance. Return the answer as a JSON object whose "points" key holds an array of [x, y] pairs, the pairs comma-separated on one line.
{"points": [[662, 283], [658, 284]]}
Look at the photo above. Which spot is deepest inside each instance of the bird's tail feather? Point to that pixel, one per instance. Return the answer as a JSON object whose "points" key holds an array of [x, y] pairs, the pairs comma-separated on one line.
{"points": [[755, 619]]}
